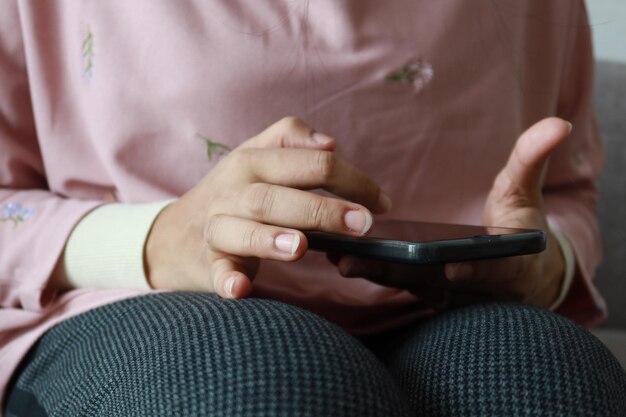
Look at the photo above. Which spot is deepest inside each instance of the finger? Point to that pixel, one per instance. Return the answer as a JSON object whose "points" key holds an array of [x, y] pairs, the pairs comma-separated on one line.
{"points": [[488, 270], [499, 278], [425, 281], [459, 272], [229, 278], [310, 169], [334, 257], [525, 168], [290, 132], [303, 210], [246, 238], [412, 277]]}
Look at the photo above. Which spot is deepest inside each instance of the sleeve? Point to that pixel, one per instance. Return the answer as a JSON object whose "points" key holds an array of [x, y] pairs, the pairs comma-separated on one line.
{"points": [[570, 192], [34, 222], [106, 249]]}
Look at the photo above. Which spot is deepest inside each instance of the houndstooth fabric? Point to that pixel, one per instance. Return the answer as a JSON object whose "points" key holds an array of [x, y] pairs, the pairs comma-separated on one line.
{"points": [[189, 354], [193, 354], [505, 360]]}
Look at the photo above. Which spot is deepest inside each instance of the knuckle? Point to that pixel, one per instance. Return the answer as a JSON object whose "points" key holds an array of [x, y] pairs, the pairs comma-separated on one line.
{"points": [[290, 123], [241, 157], [316, 213], [259, 199], [253, 239], [324, 165], [211, 229], [287, 128]]}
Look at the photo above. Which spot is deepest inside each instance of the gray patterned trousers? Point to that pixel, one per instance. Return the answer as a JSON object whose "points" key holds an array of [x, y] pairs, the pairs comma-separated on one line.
{"points": [[192, 354]]}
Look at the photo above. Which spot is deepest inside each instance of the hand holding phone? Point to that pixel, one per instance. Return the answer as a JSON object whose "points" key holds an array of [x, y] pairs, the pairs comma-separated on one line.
{"points": [[516, 199], [414, 255]]}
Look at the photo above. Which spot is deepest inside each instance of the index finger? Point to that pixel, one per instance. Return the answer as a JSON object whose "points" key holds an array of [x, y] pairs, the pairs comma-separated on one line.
{"points": [[308, 169], [290, 132]]}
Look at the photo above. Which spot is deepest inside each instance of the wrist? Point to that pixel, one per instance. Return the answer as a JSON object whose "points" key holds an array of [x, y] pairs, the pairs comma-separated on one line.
{"points": [[156, 250], [553, 275], [567, 252]]}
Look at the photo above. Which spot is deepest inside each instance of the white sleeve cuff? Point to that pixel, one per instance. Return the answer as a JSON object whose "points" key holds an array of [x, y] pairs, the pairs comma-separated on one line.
{"points": [[570, 267], [106, 248]]}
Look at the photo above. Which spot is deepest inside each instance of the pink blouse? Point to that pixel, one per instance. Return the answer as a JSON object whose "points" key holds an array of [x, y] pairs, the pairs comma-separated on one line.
{"points": [[117, 99]]}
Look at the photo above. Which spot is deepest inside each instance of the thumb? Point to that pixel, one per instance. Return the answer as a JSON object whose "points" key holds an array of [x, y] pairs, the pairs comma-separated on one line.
{"points": [[525, 169], [290, 132]]}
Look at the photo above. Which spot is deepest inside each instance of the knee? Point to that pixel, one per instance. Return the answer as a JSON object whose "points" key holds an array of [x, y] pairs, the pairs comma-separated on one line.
{"points": [[513, 352], [256, 356], [524, 333]]}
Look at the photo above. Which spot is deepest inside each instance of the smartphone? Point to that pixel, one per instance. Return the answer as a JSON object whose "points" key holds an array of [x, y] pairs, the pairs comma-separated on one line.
{"points": [[431, 243]]}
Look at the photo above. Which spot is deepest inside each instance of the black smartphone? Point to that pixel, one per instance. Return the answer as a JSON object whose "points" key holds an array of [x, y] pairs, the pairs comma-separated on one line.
{"points": [[431, 243]]}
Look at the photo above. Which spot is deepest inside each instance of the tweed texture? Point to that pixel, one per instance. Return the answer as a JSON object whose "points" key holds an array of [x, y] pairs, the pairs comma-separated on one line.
{"points": [[192, 354], [505, 359]]}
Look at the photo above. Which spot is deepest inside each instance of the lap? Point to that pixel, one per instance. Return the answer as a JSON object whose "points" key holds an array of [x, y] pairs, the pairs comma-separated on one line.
{"points": [[502, 359], [197, 354]]}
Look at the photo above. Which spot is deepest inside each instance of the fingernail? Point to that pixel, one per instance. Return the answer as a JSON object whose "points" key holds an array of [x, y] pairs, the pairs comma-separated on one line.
{"points": [[287, 242], [358, 221], [321, 138], [384, 202], [459, 272], [571, 126], [228, 285]]}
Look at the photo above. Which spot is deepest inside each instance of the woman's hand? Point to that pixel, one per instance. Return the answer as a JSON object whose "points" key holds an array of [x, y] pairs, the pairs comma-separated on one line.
{"points": [[515, 200], [252, 206]]}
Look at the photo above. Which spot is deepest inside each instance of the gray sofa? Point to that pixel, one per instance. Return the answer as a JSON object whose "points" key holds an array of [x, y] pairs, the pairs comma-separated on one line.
{"points": [[610, 104]]}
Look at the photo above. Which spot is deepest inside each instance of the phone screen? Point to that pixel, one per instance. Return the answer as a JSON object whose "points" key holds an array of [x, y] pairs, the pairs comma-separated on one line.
{"points": [[427, 232]]}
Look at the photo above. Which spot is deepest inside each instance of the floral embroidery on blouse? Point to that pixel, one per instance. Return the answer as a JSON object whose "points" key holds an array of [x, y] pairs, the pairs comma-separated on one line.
{"points": [[214, 149], [14, 212], [88, 55], [416, 72]]}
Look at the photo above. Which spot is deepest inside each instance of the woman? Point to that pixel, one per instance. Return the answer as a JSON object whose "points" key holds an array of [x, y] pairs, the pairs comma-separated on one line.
{"points": [[125, 169]]}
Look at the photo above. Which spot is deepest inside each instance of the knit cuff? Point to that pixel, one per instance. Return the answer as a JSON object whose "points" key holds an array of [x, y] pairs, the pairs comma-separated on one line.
{"points": [[106, 248]]}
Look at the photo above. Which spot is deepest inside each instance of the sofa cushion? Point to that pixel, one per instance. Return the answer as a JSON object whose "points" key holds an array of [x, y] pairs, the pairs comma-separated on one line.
{"points": [[610, 105]]}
